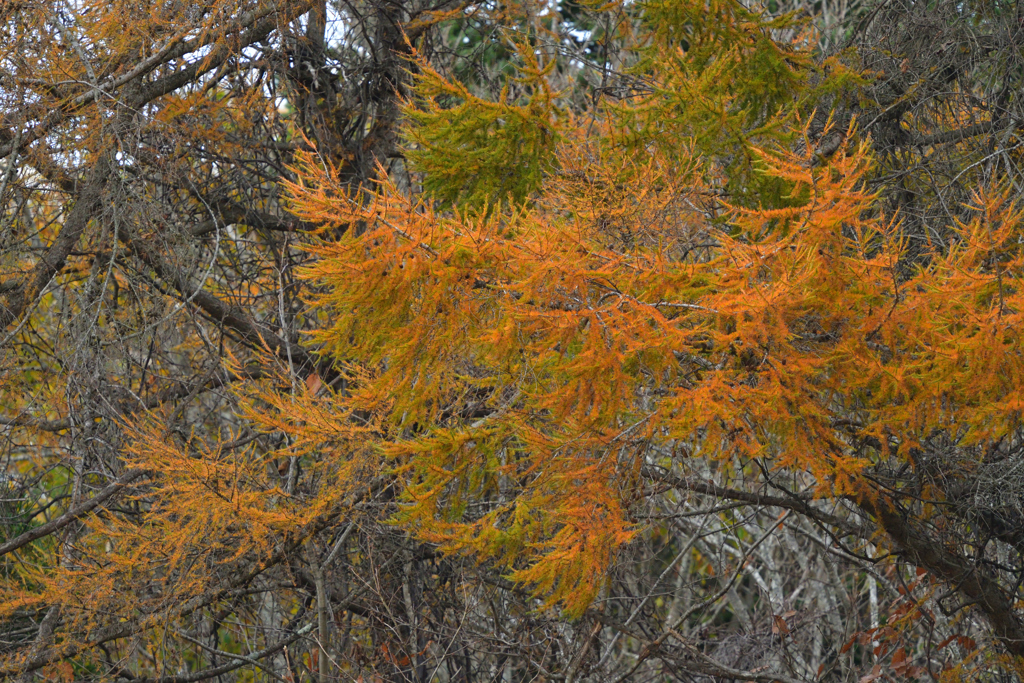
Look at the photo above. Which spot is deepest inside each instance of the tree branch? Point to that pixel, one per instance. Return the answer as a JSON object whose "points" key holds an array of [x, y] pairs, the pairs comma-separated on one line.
{"points": [[793, 503], [239, 661], [252, 333], [76, 513], [923, 551]]}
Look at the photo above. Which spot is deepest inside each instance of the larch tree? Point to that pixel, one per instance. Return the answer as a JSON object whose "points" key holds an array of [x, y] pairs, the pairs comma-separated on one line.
{"points": [[451, 341]]}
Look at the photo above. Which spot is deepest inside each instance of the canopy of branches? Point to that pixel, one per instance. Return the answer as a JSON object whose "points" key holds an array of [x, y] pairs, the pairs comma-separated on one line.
{"points": [[401, 340]]}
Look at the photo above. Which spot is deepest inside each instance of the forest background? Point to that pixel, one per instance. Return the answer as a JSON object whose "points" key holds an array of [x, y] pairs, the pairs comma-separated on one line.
{"points": [[402, 340]]}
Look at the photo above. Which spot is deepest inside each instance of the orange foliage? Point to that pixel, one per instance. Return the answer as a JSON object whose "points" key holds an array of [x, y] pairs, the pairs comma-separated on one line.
{"points": [[522, 364]]}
